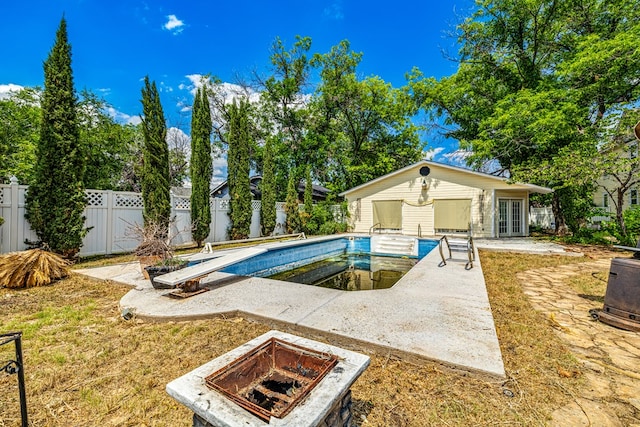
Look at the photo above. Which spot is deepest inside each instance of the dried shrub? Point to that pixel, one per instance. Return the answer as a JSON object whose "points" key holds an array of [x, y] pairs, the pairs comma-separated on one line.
{"points": [[34, 267], [153, 238]]}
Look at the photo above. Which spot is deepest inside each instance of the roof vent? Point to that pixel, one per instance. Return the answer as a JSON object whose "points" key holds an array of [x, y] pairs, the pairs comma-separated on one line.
{"points": [[424, 171]]}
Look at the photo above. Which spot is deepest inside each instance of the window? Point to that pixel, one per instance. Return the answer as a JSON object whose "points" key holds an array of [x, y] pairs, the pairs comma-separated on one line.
{"points": [[452, 215], [634, 196], [388, 213], [605, 200]]}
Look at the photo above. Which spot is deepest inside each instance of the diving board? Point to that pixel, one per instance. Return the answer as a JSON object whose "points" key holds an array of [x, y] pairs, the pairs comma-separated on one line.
{"points": [[199, 270]]}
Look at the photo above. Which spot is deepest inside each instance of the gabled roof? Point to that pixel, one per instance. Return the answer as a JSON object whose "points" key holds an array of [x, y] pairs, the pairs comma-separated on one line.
{"points": [[530, 187]]}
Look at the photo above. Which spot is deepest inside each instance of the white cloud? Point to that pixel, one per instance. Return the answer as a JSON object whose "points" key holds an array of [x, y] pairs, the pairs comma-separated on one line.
{"points": [[458, 157], [9, 89], [177, 138], [174, 24], [121, 117], [433, 153], [219, 170], [226, 91]]}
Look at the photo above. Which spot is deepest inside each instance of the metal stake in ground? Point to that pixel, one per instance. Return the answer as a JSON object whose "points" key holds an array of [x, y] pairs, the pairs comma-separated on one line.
{"points": [[17, 367]]}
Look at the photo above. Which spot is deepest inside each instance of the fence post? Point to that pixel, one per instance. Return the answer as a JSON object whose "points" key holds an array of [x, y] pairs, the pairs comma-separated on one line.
{"points": [[14, 221], [109, 215]]}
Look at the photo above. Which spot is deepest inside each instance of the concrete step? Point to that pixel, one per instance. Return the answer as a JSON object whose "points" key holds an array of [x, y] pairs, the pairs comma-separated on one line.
{"points": [[401, 245]]}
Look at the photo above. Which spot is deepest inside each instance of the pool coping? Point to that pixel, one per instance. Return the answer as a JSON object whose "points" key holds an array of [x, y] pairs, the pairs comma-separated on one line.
{"points": [[447, 320]]}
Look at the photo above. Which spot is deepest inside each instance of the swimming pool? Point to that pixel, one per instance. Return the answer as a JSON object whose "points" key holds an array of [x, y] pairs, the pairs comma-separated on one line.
{"points": [[350, 272], [301, 253]]}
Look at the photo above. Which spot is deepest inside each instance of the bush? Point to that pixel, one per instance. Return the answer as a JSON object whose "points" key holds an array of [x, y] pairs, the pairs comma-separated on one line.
{"points": [[632, 223], [322, 220], [589, 236], [333, 227]]}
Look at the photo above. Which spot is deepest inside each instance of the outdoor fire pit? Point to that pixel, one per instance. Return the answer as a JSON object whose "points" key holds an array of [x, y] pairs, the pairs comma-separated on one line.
{"points": [[273, 378], [276, 379]]}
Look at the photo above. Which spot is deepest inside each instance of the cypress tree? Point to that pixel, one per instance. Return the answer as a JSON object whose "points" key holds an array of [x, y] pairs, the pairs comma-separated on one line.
{"points": [[56, 199], [308, 192], [155, 180], [240, 210], [291, 207], [201, 166], [268, 189]]}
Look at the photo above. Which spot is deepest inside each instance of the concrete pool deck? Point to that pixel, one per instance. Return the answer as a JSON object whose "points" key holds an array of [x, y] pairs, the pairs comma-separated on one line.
{"points": [[436, 313]]}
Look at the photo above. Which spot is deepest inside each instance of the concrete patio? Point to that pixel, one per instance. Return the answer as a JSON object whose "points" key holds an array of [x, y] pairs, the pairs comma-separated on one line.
{"points": [[435, 313]]}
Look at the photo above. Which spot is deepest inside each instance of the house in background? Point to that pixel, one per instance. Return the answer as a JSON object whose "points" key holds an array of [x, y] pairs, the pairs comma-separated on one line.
{"points": [[319, 194], [429, 198], [626, 178]]}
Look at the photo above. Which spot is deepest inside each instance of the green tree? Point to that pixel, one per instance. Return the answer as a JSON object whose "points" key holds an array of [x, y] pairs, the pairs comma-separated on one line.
{"points": [[291, 206], [56, 199], [110, 145], [238, 170], [155, 157], [20, 120], [305, 217], [268, 190], [368, 122], [201, 166], [535, 80], [284, 108]]}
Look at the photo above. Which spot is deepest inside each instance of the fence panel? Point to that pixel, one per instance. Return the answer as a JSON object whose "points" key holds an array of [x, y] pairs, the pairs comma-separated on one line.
{"points": [[542, 217], [220, 218], [255, 229], [16, 228], [281, 220], [5, 213], [112, 216], [96, 212], [125, 215], [181, 226]]}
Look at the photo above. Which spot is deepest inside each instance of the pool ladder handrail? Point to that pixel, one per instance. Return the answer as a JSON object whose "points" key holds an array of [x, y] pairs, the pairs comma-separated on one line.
{"points": [[373, 228], [458, 246]]}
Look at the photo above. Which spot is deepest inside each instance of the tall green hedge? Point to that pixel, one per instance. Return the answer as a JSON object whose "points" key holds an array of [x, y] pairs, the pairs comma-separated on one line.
{"points": [[291, 206], [56, 199], [268, 190], [239, 135], [155, 181], [201, 167]]}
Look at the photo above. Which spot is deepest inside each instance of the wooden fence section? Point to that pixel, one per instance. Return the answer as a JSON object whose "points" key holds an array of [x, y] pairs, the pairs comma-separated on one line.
{"points": [[110, 216]]}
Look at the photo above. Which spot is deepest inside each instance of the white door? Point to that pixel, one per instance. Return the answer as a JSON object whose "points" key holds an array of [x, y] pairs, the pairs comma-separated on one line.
{"points": [[510, 218]]}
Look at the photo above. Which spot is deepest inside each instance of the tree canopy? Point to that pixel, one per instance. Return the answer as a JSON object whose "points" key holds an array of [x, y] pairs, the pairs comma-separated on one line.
{"points": [[535, 84]]}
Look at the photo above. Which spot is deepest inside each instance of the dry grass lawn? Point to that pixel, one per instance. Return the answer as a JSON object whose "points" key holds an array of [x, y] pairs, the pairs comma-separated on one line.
{"points": [[86, 366]]}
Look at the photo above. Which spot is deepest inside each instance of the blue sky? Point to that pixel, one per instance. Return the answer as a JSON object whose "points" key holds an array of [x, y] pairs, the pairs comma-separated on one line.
{"points": [[116, 43]]}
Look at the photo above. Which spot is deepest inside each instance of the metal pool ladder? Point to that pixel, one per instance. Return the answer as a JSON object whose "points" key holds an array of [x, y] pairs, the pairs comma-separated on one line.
{"points": [[458, 245]]}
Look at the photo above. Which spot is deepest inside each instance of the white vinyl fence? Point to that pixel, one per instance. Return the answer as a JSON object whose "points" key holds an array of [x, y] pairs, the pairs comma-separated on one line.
{"points": [[111, 215], [542, 217]]}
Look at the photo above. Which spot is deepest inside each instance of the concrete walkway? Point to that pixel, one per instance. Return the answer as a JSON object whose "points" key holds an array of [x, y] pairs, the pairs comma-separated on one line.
{"points": [[437, 313]]}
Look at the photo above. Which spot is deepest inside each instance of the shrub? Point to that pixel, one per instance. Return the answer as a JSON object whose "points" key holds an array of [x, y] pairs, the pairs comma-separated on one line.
{"points": [[322, 220], [632, 223]]}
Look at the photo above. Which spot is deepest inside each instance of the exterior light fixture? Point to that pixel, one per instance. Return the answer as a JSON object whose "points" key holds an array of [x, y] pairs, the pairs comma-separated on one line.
{"points": [[425, 186]]}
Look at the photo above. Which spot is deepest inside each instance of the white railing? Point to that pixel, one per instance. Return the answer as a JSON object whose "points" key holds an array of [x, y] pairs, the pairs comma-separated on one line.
{"points": [[110, 215]]}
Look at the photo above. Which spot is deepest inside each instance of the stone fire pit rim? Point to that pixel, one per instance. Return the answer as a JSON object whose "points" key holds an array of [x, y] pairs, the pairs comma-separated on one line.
{"points": [[191, 390]]}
